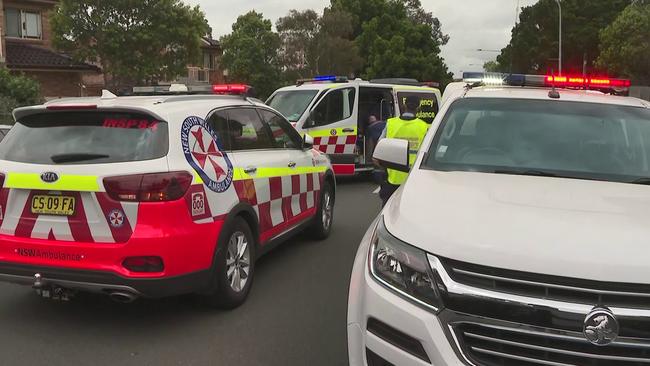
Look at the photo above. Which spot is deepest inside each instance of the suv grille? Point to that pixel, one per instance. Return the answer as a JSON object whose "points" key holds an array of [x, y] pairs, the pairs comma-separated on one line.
{"points": [[549, 287], [504, 346]]}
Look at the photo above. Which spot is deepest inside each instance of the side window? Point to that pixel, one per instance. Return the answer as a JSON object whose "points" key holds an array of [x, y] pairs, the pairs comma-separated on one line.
{"points": [[334, 107], [247, 132], [219, 123], [284, 136]]}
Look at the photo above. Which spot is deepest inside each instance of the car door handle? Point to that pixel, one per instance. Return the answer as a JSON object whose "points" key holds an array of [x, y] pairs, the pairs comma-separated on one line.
{"points": [[250, 169], [291, 164], [348, 130]]}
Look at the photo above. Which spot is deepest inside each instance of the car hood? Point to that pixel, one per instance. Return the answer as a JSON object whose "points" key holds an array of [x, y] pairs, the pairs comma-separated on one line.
{"points": [[556, 226]]}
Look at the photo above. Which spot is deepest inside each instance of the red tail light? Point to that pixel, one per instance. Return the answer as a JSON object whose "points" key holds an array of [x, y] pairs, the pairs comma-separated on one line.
{"points": [[155, 187], [2, 180]]}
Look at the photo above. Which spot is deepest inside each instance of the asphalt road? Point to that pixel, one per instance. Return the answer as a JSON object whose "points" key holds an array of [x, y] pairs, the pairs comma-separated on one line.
{"points": [[295, 314]]}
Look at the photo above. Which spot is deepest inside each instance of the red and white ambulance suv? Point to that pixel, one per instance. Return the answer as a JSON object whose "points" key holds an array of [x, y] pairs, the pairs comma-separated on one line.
{"points": [[336, 111], [152, 196]]}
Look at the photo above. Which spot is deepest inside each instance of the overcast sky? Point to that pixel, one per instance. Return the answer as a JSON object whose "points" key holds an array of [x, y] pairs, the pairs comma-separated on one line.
{"points": [[471, 24]]}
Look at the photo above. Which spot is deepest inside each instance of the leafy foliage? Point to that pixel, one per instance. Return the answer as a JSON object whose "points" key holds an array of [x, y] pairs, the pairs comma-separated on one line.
{"points": [[313, 45], [16, 91], [134, 41], [251, 53], [403, 42], [625, 51], [533, 47]]}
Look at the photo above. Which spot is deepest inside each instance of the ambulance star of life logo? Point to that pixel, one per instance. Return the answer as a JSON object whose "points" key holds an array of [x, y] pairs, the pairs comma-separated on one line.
{"points": [[116, 218], [203, 152]]}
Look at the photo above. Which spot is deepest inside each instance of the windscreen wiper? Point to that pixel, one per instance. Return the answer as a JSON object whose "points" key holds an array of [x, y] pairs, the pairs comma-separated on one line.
{"points": [[76, 157], [643, 180], [531, 172]]}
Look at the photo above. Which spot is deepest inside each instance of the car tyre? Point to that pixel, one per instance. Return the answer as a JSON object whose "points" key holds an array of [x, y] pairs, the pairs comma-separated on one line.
{"points": [[235, 266], [322, 224]]}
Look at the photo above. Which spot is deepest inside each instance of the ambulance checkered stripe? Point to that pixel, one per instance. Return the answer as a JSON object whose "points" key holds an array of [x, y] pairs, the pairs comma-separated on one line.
{"points": [[282, 200], [336, 144]]}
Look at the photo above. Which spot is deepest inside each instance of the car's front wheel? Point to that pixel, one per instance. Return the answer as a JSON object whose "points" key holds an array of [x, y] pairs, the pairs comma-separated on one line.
{"points": [[235, 266]]}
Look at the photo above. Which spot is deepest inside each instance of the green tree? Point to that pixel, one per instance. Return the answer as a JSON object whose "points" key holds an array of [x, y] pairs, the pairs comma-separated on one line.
{"points": [[16, 91], [133, 41], [313, 44], [251, 53], [533, 47], [397, 45], [491, 66], [625, 45]]}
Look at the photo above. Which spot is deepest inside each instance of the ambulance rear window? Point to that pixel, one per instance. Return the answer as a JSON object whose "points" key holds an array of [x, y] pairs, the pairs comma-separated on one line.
{"points": [[66, 138]]}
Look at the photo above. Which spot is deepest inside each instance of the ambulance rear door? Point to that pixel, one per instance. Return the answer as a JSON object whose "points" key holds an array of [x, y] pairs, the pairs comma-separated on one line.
{"points": [[429, 101]]}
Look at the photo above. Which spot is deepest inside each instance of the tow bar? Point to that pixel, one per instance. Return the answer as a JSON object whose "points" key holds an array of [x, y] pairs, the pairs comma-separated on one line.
{"points": [[52, 292]]}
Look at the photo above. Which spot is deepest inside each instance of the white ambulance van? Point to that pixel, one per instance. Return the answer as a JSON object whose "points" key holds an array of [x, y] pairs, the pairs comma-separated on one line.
{"points": [[336, 112]]}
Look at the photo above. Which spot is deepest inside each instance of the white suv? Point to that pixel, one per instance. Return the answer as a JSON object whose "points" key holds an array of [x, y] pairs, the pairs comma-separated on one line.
{"points": [[152, 196], [519, 238]]}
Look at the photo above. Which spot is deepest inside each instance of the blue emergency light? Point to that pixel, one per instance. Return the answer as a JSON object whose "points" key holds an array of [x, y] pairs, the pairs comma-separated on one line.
{"points": [[323, 79]]}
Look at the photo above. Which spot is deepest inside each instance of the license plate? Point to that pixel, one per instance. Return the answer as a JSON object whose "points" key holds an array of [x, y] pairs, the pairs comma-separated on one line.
{"points": [[53, 205]]}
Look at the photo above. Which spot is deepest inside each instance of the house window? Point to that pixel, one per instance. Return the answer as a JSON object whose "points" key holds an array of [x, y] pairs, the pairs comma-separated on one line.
{"points": [[207, 60], [22, 23]]}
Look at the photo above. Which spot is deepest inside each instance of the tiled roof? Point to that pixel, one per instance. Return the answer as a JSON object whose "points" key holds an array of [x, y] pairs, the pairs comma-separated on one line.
{"points": [[211, 41], [27, 56]]}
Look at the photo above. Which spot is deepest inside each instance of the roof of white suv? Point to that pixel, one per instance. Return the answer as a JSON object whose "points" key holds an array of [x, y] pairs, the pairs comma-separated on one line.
{"points": [[570, 95], [159, 104]]}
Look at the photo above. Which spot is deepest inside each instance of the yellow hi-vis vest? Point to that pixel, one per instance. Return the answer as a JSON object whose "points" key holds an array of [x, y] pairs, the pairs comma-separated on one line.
{"points": [[411, 130]]}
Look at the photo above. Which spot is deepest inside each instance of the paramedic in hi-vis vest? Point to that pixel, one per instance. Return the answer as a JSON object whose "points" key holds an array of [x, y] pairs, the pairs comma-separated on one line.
{"points": [[407, 127]]}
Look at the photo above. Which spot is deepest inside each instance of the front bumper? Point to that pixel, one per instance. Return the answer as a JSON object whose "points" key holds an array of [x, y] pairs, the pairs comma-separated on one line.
{"points": [[370, 300]]}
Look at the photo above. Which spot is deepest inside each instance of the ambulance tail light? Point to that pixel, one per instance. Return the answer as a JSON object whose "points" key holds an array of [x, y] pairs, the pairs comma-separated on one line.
{"points": [[70, 107], [230, 89], [153, 187]]}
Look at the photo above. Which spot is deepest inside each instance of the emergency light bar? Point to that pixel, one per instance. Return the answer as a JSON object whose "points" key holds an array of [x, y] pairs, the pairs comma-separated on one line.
{"points": [[577, 82], [230, 89], [323, 79]]}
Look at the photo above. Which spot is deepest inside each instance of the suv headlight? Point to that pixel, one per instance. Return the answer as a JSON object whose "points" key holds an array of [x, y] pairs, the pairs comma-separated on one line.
{"points": [[404, 269]]}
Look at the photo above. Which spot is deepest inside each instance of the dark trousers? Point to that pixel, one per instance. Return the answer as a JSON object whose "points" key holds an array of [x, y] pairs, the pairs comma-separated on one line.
{"points": [[386, 192]]}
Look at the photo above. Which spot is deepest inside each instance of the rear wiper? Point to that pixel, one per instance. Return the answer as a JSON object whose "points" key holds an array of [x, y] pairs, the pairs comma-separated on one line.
{"points": [[76, 157], [532, 172]]}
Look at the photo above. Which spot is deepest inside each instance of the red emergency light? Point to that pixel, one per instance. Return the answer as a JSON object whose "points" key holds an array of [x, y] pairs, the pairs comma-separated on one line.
{"points": [[579, 81], [230, 88]]}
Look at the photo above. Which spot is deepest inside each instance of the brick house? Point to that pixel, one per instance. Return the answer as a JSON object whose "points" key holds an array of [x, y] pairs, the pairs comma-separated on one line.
{"points": [[26, 47], [208, 70]]}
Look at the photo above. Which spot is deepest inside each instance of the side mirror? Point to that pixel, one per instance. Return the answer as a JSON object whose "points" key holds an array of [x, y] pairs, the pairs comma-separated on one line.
{"points": [[393, 154], [307, 142]]}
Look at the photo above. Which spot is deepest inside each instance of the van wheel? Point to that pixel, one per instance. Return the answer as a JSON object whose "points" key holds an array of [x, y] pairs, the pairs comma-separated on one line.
{"points": [[235, 266], [322, 225]]}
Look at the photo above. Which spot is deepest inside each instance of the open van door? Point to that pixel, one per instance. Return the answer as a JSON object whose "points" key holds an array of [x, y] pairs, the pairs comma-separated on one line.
{"points": [[429, 101], [332, 122]]}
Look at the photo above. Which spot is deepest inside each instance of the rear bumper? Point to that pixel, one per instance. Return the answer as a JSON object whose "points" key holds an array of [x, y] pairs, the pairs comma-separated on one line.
{"points": [[105, 282], [163, 230]]}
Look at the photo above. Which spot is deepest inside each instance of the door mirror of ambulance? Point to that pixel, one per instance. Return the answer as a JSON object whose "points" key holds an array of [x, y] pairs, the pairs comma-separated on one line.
{"points": [[307, 142], [392, 154]]}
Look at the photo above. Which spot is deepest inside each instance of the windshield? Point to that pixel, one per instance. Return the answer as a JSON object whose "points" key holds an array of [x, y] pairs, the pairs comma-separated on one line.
{"points": [[539, 137], [292, 104], [85, 138]]}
